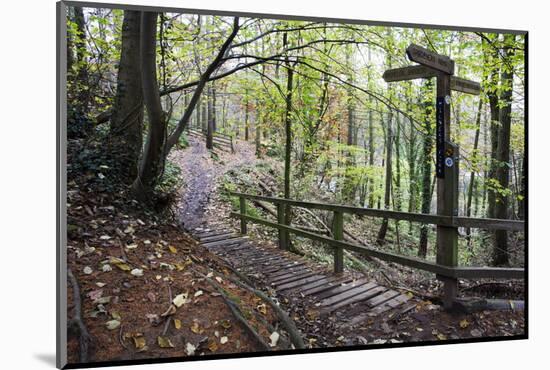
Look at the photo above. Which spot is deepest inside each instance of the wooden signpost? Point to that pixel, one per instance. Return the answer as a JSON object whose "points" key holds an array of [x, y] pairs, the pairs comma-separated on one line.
{"points": [[447, 154]]}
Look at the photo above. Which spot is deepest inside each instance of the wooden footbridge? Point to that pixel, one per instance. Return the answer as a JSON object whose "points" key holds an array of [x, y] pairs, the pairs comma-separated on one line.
{"points": [[293, 277]]}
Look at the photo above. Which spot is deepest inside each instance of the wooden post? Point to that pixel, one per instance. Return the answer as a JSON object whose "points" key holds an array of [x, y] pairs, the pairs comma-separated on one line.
{"points": [[242, 203], [338, 232], [283, 235], [447, 187]]}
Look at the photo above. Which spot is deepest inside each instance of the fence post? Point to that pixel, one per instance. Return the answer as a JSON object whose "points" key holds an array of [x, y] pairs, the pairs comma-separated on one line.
{"points": [[281, 220], [338, 232], [242, 203]]}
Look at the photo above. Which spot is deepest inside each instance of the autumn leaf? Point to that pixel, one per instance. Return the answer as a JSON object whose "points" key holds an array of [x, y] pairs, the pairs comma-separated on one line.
{"points": [[190, 349], [274, 339], [212, 345], [173, 249], [464, 324], [164, 342], [120, 264], [180, 300], [262, 308], [177, 323], [195, 328], [139, 342], [224, 340], [137, 272], [112, 324]]}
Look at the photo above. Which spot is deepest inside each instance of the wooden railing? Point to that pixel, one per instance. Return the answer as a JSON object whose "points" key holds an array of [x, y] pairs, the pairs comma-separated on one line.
{"points": [[221, 140], [339, 244]]}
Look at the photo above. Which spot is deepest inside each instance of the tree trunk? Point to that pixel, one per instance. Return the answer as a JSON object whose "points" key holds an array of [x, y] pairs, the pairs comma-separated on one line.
{"points": [[500, 247], [494, 129], [246, 115], [126, 124], [153, 159], [472, 184], [210, 120], [371, 159], [288, 131], [257, 130]]}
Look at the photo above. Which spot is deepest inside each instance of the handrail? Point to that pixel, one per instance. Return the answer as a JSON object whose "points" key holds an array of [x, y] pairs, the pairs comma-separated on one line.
{"points": [[453, 272], [450, 221]]}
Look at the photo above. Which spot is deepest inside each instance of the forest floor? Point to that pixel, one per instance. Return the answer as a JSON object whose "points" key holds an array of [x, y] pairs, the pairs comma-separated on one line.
{"points": [[147, 289]]}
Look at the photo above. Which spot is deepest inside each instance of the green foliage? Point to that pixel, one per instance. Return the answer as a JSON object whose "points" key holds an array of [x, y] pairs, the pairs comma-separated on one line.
{"points": [[172, 178]]}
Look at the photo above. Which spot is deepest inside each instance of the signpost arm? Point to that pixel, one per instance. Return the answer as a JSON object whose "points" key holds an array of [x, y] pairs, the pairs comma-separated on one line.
{"points": [[447, 190]]}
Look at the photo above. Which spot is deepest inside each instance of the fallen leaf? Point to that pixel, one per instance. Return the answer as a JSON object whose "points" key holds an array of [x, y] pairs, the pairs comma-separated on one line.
{"points": [[95, 294], [115, 315], [139, 342], [180, 300], [475, 333], [190, 349], [129, 230], [87, 270], [198, 293], [104, 237], [226, 324], [464, 324], [106, 268], [223, 340], [103, 300], [101, 285], [262, 308], [219, 279], [441, 336], [164, 342], [195, 328], [177, 323], [136, 272], [212, 345], [131, 246], [274, 339], [173, 249], [112, 324], [120, 264]]}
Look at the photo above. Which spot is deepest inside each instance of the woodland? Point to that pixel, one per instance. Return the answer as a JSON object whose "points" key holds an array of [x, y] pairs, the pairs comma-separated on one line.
{"points": [[169, 114]]}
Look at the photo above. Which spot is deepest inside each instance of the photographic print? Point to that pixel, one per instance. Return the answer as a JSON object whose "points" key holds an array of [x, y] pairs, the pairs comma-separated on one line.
{"points": [[242, 185]]}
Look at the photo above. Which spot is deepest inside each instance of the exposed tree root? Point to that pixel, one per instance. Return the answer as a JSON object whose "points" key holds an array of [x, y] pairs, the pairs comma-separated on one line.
{"points": [[84, 338], [235, 310], [288, 324]]}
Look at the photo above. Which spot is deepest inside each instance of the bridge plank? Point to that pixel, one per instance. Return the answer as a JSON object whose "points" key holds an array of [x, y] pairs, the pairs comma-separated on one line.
{"points": [[382, 298], [347, 294], [341, 288], [356, 298], [225, 241], [291, 277], [300, 282], [330, 285]]}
